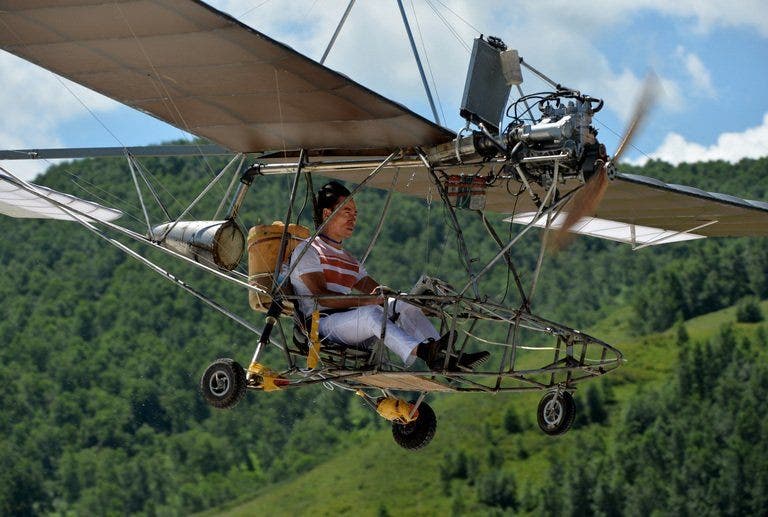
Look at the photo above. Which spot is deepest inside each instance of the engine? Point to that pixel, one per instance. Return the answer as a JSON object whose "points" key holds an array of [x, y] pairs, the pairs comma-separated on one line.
{"points": [[548, 134], [563, 134]]}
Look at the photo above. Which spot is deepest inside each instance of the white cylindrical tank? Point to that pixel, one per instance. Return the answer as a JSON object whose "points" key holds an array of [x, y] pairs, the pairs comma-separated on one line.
{"points": [[214, 243]]}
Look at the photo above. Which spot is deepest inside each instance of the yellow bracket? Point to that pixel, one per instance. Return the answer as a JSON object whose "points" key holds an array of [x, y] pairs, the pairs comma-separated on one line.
{"points": [[314, 341], [269, 380], [394, 409]]}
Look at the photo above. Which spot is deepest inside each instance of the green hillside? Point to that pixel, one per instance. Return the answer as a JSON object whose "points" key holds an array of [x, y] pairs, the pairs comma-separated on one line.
{"points": [[100, 361]]}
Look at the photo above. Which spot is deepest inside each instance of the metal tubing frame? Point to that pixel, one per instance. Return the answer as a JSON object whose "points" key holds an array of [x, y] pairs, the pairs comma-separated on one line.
{"points": [[550, 219], [313, 196], [200, 196], [452, 213], [543, 77], [138, 237], [522, 232], [137, 165], [229, 192], [272, 168], [141, 198], [508, 258], [284, 236]]}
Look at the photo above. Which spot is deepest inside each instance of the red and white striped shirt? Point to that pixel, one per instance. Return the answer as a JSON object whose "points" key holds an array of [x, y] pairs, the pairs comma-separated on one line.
{"points": [[340, 268]]}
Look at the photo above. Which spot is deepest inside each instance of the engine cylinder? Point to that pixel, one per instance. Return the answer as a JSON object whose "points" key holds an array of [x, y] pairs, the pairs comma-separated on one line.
{"points": [[214, 243]]}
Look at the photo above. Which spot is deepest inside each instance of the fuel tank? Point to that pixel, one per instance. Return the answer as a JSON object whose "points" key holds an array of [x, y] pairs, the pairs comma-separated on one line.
{"points": [[214, 243]]}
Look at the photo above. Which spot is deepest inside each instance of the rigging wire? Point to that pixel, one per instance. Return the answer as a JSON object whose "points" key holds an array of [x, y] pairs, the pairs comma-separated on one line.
{"points": [[156, 181], [428, 229], [459, 17], [92, 113], [280, 112], [618, 135], [449, 26], [509, 237], [116, 202], [429, 65], [249, 11]]}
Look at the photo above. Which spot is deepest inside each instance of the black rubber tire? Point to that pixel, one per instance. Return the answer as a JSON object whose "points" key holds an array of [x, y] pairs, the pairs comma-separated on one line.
{"points": [[556, 413], [223, 384], [418, 433]]}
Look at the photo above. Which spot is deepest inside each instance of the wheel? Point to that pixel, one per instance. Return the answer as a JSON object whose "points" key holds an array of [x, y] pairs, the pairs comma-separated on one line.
{"points": [[419, 433], [556, 413], [223, 383]]}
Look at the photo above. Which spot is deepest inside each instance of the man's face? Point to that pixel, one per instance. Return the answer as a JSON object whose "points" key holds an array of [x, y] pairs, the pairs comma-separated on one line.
{"points": [[342, 224]]}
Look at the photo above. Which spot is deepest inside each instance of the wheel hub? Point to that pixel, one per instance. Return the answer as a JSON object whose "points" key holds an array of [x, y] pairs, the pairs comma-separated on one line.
{"points": [[219, 384], [553, 412]]}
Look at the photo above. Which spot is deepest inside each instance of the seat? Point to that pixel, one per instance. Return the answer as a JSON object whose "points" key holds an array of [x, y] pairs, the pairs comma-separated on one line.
{"points": [[358, 355]]}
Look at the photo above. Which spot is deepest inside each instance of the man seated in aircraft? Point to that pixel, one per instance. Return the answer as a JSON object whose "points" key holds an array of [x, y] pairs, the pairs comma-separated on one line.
{"points": [[327, 269]]}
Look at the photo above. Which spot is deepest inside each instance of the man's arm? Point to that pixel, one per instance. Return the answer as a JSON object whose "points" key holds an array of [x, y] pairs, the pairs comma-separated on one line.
{"points": [[366, 285], [315, 282]]}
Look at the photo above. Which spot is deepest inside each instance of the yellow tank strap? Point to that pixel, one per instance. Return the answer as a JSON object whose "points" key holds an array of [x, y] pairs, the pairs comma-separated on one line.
{"points": [[314, 341]]}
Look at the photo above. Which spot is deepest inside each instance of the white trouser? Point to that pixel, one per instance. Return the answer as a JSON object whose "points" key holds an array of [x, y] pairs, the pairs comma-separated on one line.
{"points": [[357, 325]]}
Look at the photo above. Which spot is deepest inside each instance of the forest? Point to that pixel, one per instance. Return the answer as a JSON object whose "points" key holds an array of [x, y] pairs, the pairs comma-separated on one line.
{"points": [[101, 358]]}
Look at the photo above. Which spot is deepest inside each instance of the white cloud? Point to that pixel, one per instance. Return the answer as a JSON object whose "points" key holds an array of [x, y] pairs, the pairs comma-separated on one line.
{"points": [[711, 13], [706, 15], [730, 147], [698, 73]]}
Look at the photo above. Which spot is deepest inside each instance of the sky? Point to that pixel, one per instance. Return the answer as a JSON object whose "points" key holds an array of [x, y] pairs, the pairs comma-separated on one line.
{"points": [[711, 59]]}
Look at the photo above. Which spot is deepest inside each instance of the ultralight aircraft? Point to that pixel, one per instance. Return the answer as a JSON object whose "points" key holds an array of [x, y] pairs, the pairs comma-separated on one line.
{"points": [[201, 70]]}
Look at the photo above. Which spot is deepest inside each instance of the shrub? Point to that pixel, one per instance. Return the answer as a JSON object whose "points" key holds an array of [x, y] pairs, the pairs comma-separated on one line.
{"points": [[748, 310]]}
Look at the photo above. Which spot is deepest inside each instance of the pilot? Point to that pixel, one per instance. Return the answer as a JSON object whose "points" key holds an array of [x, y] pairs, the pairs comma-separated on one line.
{"points": [[327, 269]]}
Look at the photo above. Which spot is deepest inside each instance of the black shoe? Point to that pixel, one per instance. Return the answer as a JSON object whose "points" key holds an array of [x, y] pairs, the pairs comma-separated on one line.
{"points": [[468, 361], [432, 351], [472, 360], [438, 364]]}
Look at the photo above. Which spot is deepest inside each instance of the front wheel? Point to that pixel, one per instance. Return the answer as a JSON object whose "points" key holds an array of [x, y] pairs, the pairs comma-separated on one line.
{"points": [[223, 384], [417, 434], [556, 413]]}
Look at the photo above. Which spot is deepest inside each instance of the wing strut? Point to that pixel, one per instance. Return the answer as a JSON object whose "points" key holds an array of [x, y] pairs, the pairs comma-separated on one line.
{"points": [[336, 32], [418, 61]]}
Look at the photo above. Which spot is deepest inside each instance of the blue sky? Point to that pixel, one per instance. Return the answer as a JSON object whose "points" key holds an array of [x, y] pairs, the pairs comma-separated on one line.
{"points": [[711, 58]]}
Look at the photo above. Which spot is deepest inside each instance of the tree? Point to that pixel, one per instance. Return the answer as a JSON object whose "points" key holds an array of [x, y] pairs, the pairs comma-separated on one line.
{"points": [[748, 311], [497, 488]]}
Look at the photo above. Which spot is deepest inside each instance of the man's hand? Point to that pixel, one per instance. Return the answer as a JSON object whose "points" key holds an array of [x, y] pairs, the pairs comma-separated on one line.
{"points": [[383, 290]]}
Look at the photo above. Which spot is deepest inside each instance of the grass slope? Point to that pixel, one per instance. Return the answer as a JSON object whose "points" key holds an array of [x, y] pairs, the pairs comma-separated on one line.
{"points": [[376, 477]]}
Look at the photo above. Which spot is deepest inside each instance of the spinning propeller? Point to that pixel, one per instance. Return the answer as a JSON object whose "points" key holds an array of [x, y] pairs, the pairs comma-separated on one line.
{"points": [[587, 199]]}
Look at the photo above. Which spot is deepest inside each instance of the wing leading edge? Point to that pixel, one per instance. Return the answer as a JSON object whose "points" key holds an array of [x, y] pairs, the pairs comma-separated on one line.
{"points": [[201, 70]]}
